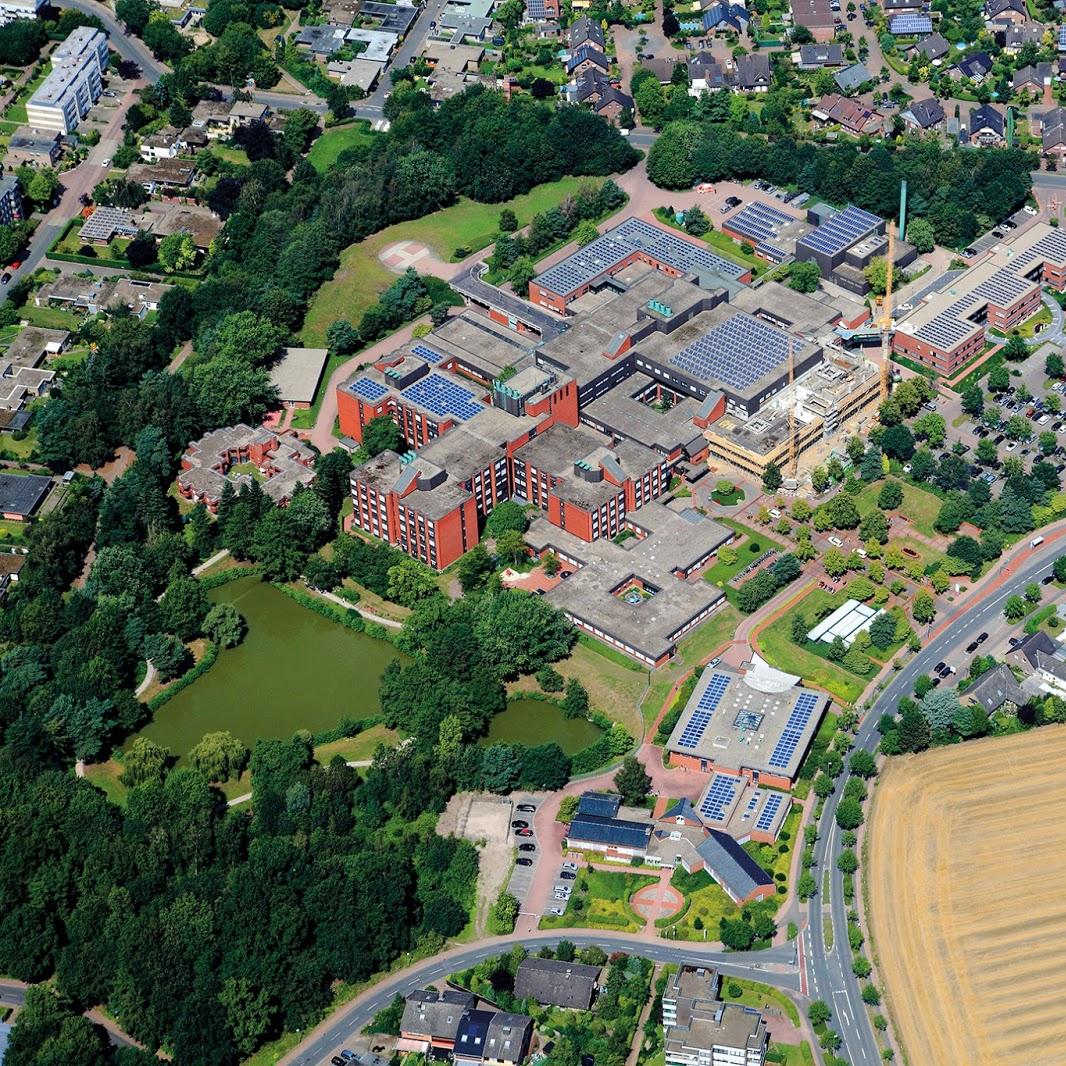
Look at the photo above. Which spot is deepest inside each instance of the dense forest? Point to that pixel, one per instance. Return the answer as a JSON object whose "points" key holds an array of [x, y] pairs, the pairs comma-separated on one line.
{"points": [[959, 192], [206, 930]]}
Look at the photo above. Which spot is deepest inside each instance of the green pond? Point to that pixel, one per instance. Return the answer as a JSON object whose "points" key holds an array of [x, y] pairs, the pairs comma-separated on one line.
{"points": [[294, 670], [536, 722]]}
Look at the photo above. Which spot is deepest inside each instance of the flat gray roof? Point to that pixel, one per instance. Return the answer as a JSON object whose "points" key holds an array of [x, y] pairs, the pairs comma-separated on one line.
{"points": [[298, 373]]}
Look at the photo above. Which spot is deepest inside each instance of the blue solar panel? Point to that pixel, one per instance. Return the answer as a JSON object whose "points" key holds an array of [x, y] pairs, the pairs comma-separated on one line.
{"points": [[842, 230], [907, 25], [720, 795], [367, 389], [443, 397], [790, 738], [428, 354], [705, 707], [769, 812]]}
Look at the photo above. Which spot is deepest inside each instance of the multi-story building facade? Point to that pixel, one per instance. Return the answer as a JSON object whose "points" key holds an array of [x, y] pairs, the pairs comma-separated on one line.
{"points": [[700, 1030], [67, 95], [19, 9], [10, 200]]}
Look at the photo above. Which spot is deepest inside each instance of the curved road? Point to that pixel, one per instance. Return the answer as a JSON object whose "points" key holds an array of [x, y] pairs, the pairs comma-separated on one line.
{"points": [[345, 1024], [830, 973]]}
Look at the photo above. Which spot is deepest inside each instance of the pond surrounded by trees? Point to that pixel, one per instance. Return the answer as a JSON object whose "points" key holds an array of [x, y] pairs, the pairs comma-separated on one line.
{"points": [[294, 670], [533, 722]]}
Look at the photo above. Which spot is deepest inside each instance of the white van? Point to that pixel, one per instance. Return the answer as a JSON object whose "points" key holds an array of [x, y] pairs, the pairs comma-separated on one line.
{"points": [[1036, 542], [836, 542]]}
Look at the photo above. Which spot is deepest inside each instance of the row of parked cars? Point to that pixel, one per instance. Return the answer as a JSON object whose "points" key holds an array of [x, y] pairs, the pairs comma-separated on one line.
{"points": [[797, 199], [563, 888], [520, 828], [343, 1058]]}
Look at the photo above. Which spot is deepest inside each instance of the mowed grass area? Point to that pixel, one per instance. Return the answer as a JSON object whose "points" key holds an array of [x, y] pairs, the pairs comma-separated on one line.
{"points": [[775, 643], [362, 277], [600, 900], [919, 507], [708, 904], [328, 147], [51, 317], [358, 748], [756, 994]]}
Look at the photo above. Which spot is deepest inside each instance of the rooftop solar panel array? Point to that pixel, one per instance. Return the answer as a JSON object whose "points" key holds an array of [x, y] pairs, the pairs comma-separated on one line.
{"points": [[1003, 288], [952, 326], [1050, 247], [367, 389], [424, 352], [737, 353], [758, 222], [769, 812], [634, 234], [785, 748], [719, 798], [442, 397], [705, 708], [535, 9], [842, 231], [910, 25]]}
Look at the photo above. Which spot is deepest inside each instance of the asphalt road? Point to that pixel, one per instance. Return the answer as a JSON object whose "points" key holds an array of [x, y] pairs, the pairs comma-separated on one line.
{"points": [[830, 973], [127, 46], [347, 1023], [13, 994]]}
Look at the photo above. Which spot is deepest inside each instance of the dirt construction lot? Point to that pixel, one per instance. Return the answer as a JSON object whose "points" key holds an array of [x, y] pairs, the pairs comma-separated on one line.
{"points": [[966, 863]]}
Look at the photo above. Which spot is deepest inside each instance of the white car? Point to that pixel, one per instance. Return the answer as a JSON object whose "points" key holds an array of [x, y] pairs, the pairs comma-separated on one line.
{"points": [[1012, 445], [1043, 420], [557, 911], [105, 162], [1029, 210], [836, 542]]}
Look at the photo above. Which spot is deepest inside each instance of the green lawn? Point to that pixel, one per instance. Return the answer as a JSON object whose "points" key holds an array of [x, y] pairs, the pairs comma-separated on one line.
{"points": [[707, 905], [919, 507], [754, 994], [601, 901], [359, 747], [328, 147], [776, 643], [792, 1054], [229, 154], [51, 317], [362, 278]]}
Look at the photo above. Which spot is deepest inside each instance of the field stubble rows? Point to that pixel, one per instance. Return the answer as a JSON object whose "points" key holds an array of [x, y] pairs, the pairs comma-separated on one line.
{"points": [[967, 859]]}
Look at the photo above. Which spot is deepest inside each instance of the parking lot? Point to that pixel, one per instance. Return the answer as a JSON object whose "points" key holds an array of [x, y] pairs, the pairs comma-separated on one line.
{"points": [[561, 888], [522, 875]]}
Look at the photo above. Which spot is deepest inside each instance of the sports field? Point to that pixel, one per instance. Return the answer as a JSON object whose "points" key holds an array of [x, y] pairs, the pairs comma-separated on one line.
{"points": [[966, 863]]}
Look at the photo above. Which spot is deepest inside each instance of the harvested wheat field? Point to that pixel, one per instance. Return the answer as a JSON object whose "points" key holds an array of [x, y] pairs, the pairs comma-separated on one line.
{"points": [[967, 864]]}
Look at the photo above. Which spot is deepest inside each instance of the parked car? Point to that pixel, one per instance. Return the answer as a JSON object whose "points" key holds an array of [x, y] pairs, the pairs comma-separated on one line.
{"points": [[1014, 641], [527, 847], [971, 647], [337, 1060], [557, 911], [519, 824], [523, 861], [526, 808], [998, 234], [569, 875], [836, 542], [969, 253], [982, 638], [714, 662], [939, 666], [347, 1055], [1029, 210], [1047, 580], [569, 865], [523, 832], [5, 277]]}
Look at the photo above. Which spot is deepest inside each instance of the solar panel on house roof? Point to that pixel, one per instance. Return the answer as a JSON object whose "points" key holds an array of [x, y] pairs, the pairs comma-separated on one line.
{"points": [[705, 708], [720, 796], [910, 25], [766, 818], [367, 389], [785, 748], [427, 353], [737, 352], [842, 230], [442, 397], [535, 9]]}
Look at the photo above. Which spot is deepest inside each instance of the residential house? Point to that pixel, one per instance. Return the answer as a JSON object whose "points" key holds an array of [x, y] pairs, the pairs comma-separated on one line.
{"points": [[975, 67], [987, 126], [10, 565], [584, 30], [1044, 660], [212, 117], [706, 74], [585, 58], [1005, 12], [106, 223], [21, 495], [507, 1040], [37, 148], [725, 15], [1052, 129], [817, 16], [932, 48], [1032, 78], [924, 115], [850, 115], [431, 1019], [541, 10], [904, 7], [470, 1037], [997, 690], [820, 56], [165, 176], [851, 79], [34, 343], [1015, 38], [164, 144], [752, 73], [910, 25], [552, 983]]}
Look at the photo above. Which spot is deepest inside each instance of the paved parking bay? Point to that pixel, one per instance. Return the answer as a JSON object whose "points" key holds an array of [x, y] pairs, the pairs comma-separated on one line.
{"points": [[522, 876]]}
